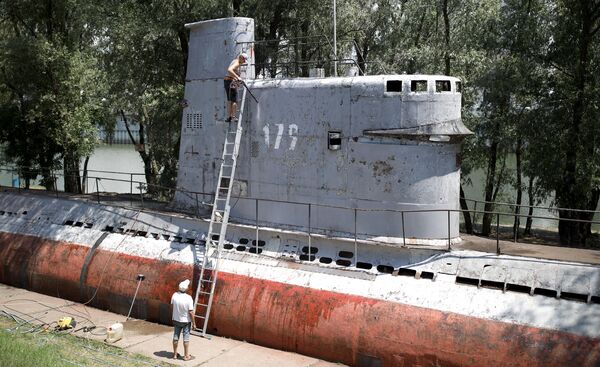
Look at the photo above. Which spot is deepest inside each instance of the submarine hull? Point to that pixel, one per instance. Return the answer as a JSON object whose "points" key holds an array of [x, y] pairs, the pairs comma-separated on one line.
{"points": [[351, 329]]}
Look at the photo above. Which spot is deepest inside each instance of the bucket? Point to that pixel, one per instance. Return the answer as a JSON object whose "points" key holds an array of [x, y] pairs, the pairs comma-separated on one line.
{"points": [[114, 333]]}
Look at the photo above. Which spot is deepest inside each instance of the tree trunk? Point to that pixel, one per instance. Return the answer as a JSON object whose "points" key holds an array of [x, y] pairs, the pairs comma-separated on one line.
{"points": [[568, 195], [517, 223], [150, 169], [465, 211], [48, 179], [237, 5], [71, 171], [85, 174], [531, 203], [446, 37], [489, 189]]}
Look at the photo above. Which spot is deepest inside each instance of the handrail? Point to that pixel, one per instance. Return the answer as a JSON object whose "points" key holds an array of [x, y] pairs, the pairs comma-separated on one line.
{"points": [[338, 206], [549, 208], [312, 229]]}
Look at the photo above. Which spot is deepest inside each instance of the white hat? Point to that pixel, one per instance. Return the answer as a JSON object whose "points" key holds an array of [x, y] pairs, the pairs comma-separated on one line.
{"points": [[244, 55], [183, 286]]}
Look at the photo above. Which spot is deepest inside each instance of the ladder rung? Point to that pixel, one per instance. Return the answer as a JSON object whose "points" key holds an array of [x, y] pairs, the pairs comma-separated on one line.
{"points": [[199, 317], [201, 304], [203, 292], [207, 280]]}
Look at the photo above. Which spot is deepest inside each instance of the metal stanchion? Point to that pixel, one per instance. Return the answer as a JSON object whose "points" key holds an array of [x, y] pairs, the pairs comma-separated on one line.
{"points": [[355, 243], [449, 230], [309, 236], [498, 233], [97, 190], [403, 232], [256, 218]]}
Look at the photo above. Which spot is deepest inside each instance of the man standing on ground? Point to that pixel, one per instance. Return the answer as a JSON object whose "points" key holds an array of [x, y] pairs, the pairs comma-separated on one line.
{"points": [[231, 85], [183, 318]]}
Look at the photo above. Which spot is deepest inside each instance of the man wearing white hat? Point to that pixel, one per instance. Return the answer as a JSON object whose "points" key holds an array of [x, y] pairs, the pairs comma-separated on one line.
{"points": [[231, 85], [183, 318]]}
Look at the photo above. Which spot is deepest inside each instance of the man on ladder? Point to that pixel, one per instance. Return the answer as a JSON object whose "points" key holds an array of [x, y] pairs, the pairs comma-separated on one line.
{"points": [[232, 81]]}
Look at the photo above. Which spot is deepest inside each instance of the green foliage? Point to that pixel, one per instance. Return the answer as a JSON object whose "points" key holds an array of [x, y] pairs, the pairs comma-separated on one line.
{"points": [[53, 349], [51, 84], [529, 69], [22, 352]]}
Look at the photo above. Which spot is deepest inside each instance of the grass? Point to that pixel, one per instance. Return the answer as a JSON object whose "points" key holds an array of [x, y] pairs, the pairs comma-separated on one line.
{"points": [[20, 348]]}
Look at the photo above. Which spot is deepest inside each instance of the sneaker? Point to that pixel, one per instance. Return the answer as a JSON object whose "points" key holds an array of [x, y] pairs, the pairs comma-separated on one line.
{"points": [[234, 119], [228, 119]]}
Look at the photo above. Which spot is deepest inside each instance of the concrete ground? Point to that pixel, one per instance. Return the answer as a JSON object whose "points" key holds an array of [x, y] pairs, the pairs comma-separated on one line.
{"points": [[146, 338]]}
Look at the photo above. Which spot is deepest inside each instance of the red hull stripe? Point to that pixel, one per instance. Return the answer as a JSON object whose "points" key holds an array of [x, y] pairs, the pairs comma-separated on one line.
{"points": [[354, 330]]}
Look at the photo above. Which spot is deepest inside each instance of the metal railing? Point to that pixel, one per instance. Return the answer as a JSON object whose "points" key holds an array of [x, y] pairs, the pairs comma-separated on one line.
{"points": [[203, 200], [287, 58]]}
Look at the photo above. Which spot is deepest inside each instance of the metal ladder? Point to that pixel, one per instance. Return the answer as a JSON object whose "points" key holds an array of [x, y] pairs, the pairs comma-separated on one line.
{"points": [[211, 257]]}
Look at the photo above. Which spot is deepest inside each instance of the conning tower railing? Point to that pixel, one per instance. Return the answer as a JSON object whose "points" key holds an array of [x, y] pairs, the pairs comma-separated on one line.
{"points": [[310, 56]]}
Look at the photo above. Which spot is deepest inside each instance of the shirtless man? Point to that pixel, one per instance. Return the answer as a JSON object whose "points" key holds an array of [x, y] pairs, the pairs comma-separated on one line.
{"points": [[231, 85]]}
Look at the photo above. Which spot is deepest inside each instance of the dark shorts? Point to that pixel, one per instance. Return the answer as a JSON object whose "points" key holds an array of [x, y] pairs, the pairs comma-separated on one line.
{"points": [[230, 90], [179, 327]]}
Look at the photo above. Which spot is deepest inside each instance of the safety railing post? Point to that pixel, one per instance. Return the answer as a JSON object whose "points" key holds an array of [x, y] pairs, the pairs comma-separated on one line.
{"points": [[355, 238], [309, 235], [449, 230], [498, 233], [97, 190], [131, 189], [197, 203], [56, 185], [256, 219], [141, 196], [403, 231], [517, 221]]}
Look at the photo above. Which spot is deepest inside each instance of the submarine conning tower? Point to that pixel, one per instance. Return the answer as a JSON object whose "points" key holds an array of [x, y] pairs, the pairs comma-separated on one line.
{"points": [[376, 156]]}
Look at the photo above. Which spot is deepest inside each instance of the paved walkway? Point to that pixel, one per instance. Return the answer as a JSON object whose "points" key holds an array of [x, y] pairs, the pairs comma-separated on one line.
{"points": [[147, 338], [570, 254]]}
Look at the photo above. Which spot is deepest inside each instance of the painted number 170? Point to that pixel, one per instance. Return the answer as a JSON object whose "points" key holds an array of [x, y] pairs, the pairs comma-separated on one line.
{"points": [[292, 133]]}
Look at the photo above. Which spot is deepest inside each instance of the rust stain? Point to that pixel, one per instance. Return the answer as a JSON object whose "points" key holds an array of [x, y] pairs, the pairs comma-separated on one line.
{"points": [[381, 168], [328, 325]]}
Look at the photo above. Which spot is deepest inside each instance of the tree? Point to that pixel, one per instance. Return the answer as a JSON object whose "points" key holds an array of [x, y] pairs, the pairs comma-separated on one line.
{"points": [[145, 53], [50, 68], [565, 151]]}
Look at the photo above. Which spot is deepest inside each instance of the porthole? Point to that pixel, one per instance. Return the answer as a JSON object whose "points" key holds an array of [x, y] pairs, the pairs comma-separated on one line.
{"points": [[346, 254], [343, 262], [362, 265], [393, 86], [313, 250], [442, 86], [385, 269], [418, 86]]}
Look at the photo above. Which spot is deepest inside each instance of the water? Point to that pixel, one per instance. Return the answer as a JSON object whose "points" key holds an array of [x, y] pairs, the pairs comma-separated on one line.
{"points": [[119, 169], [111, 159]]}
